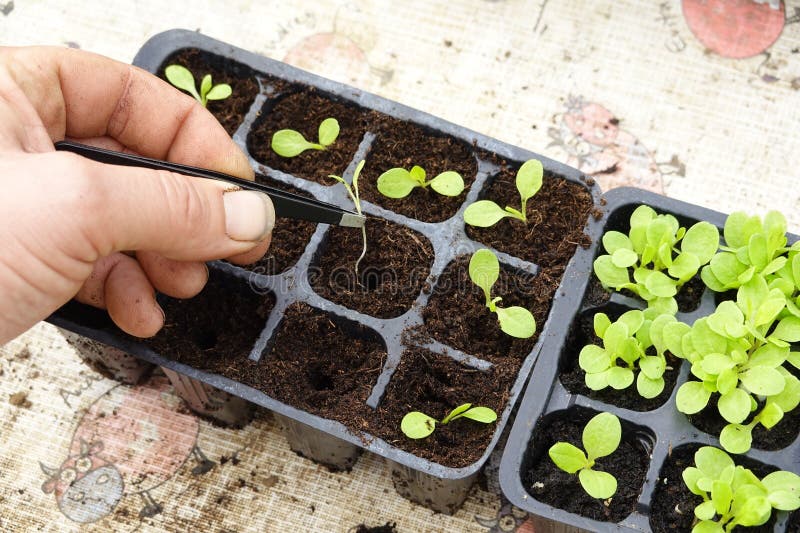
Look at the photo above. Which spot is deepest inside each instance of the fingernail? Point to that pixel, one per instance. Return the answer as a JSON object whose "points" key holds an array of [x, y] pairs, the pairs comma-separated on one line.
{"points": [[249, 215]]}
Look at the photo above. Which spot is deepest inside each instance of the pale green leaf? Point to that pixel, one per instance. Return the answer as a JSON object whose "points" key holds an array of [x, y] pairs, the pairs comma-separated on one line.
{"points": [[620, 378], [529, 178], [516, 321], [615, 240], [205, 86], [702, 241], [684, 267], [736, 438], [762, 380], [648, 387], [481, 414], [396, 183], [690, 476], [328, 131], [788, 329], [567, 457], [601, 485], [290, 143], [712, 462], [484, 213], [705, 511], [721, 495], [601, 322], [652, 366], [448, 183], [692, 397], [770, 415], [593, 359], [734, 406], [642, 216], [455, 413], [784, 490], [661, 285], [598, 381], [602, 435], [738, 228], [757, 251], [182, 78], [484, 270], [707, 526], [418, 174], [624, 258], [417, 425], [219, 92]]}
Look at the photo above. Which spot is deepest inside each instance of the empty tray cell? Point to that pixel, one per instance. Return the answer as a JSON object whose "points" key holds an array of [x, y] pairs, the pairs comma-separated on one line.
{"points": [[549, 484], [321, 363], [229, 112], [216, 330], [556, 218], [780, 436], [404, 145], [289, 237], [430, 383], [304, 112], [457, 315], [672, 505], [573, 377], [389, 278]]}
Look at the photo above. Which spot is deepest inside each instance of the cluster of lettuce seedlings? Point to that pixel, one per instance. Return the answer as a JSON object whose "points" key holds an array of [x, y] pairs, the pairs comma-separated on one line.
{"points": [[738, 354], [733, 495], [182, 78]]}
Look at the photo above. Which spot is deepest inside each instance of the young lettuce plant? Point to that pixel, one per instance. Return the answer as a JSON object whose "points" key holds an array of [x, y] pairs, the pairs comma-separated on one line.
{"points": [[417, 425], [601, 437], [183, 79], [651, 250], [752, 247], [485, 213], [484, 271], [738, 352], [352, 192], [625, 345], [733, 495], [290, 143], [399, 182]]}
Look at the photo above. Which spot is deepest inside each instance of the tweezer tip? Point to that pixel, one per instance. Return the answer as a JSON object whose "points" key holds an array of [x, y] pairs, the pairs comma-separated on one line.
{"points": [[352, 220]]}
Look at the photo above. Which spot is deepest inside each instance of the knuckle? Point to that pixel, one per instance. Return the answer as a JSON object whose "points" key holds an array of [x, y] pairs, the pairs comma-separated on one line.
{"points": [[188, 207]]}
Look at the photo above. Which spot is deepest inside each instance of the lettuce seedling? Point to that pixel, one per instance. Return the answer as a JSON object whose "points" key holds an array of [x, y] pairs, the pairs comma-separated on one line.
{"points": [[485, 213], [352, 192], [182, 78], [484, 270], [601, 437], [417, 425], [752, 247], [289, 143], [651, 250], [738, 352], [399, 182], [625, 347], [733, 495]]}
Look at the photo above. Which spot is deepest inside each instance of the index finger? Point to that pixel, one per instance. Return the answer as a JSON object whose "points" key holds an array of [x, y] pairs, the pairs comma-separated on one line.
{"points": [[78, 94]]}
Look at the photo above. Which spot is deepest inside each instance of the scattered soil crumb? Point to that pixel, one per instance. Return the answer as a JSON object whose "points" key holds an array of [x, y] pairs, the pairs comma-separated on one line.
{"points": [[20, 399], [25, 353], [388, 527]]}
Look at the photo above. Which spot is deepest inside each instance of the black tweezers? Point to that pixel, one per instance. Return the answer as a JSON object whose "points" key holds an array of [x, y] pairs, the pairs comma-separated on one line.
{"points": [[286, 204]]}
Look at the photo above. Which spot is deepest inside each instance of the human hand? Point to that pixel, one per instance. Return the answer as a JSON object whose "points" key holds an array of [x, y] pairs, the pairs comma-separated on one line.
{"points": [[65, 220]]}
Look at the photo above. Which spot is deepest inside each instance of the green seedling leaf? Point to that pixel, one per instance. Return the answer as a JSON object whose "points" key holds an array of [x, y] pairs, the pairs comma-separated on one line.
{"points": [[620, 378], [702, 241], [448, 183], [736, 438], [219, 92], [516, 321], [396, 183], [707, 526], [182, 78], [783, 490], [705, 511], [642, 216], [601, 323], [609, 274], [788, 329], [417, 425], [594, 359], [601, 485], [649, 387], [734, 406], [529, 179], [290, 143], [770, 415], [455, 413], [602, 435], [484, 270], [762, 380], [692, 397], [624, 258], [481, 414], [205, 86], [484, 213], [659, 284], [328, 131], [568, 457], [614, 240], [684, 267], [691, 476]]}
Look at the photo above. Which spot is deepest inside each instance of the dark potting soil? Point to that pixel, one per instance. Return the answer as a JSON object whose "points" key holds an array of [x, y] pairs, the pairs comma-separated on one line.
{"points": [[781, 435], [689, 295], [672, 505], [322, 364], [556, 215], [595, 294], [231, 111], [289, 237], [435, 384], [573, 377], [457, 315], [388, 527], [390, 277], [303, 112], [216, 329], [551, 485], [400, 144]]}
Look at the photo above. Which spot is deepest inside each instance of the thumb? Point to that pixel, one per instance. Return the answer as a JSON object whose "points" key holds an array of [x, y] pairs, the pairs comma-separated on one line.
{"points": [[182, 218]]}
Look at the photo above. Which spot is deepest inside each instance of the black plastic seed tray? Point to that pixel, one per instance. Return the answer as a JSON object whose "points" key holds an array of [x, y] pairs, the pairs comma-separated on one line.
{"points": [[323, 440], [657, 432]]}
